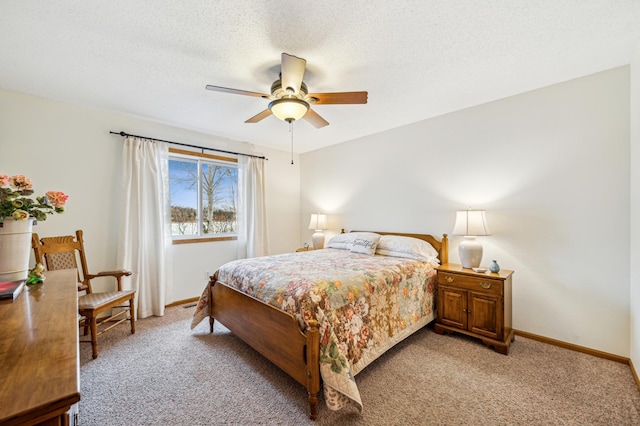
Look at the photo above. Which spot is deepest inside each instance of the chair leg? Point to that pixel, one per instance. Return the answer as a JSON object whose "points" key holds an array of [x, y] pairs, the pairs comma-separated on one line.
{"points": [[94, 336], [132, 316]]}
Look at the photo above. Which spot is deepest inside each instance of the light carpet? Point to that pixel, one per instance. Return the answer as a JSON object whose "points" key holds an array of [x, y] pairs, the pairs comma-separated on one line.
{"points": [[167, 374]]}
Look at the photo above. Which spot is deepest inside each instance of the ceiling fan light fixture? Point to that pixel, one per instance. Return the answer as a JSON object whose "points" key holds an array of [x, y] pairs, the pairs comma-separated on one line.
{"points": [[289, 109]]}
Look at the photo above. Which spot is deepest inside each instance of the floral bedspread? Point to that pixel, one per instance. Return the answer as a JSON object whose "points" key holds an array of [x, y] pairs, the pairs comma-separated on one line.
{"points": [[363, 304]]}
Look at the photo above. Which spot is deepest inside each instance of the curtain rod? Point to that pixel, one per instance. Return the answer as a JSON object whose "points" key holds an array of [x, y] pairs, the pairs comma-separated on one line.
{"points": [[190, 146]]}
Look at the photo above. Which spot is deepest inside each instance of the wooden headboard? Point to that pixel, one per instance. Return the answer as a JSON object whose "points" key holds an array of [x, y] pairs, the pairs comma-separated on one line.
{"points": [[441, 246]]}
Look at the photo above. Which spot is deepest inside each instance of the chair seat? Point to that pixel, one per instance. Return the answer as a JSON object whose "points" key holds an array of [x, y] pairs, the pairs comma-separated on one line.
{"points": [[95, 300]]}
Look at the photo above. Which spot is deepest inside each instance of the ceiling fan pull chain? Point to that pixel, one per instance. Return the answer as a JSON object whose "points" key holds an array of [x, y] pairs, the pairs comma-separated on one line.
{"points": [[291, 131]]}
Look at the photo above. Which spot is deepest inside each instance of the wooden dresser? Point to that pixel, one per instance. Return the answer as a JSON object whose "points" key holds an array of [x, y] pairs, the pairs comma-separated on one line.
{"points": [[39, 362]]}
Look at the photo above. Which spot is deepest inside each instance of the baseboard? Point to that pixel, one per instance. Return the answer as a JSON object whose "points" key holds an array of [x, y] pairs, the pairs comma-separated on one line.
{"points": [[573, 347], [635, 374], [182, 302]]}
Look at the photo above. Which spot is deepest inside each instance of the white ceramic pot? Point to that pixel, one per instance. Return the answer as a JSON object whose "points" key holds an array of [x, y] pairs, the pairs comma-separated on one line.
{"points": [[15, 248]]}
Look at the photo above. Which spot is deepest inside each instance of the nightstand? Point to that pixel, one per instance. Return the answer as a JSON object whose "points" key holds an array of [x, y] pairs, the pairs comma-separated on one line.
{"points": [[475, 304], [304, 249]]}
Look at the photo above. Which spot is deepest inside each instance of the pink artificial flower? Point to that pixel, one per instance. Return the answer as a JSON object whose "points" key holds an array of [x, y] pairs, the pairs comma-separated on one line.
{"points": [[56, 198], [21, 182], [4, 180]]}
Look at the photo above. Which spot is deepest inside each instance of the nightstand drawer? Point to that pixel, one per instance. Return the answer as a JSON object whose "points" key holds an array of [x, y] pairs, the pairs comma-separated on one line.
{"points": [[485, 285]]}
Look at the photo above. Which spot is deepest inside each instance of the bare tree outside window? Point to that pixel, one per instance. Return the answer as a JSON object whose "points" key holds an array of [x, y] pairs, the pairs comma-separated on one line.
{"points": [[210, 184], [218, 208]]}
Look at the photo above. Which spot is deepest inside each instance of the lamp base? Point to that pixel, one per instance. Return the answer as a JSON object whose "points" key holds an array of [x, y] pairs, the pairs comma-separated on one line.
{"points": [[318, 240], [470, 252]]}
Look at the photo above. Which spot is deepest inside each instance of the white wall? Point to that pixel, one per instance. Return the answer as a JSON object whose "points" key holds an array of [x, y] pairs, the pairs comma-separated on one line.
{"points": [[634, 259], [67, 147], [551, 167]]}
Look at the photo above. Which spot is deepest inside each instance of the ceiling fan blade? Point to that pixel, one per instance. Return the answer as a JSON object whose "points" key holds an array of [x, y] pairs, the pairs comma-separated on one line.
{"points": [[260, 116], [235, 91], [292, 72], [314, 118], [339, 98]]}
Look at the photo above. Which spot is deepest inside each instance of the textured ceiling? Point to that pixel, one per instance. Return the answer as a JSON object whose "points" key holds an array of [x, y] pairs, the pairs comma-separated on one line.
{"points": [[417, 59]]}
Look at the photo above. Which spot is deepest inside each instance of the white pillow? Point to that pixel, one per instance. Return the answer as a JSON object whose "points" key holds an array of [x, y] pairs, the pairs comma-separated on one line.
{"points": [[345, 241], [409, 247], [365, 244]]}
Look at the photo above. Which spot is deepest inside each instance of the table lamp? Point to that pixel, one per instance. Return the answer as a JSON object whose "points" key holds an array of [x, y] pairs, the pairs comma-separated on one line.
{"points": [[318, 223], [470, 224]]}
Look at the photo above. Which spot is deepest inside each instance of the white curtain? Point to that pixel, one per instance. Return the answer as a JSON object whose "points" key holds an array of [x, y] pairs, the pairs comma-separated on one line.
{"points": [[145, 236], [252, 211]]}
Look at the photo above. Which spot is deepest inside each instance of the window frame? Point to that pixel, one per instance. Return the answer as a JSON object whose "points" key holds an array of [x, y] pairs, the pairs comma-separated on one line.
{"points": [[192, 155]]}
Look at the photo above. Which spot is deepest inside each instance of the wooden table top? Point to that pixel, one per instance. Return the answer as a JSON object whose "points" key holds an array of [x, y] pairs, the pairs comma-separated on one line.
{"points": [[39, 364]]}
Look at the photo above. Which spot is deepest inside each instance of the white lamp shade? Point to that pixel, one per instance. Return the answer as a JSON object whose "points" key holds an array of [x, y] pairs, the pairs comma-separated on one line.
{"points": [[318, 221], [471, 223], [289, 109]]}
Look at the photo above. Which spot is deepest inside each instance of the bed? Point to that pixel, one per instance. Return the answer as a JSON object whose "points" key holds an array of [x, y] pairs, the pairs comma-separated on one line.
{"points": [[324, 315]]}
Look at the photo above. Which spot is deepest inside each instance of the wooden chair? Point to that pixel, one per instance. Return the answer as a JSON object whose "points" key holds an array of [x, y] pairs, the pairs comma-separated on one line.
{"points": [[64, 253]]}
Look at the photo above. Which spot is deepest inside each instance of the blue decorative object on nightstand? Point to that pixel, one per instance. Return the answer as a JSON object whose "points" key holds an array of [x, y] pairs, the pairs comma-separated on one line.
{"points": [[494, 267]]}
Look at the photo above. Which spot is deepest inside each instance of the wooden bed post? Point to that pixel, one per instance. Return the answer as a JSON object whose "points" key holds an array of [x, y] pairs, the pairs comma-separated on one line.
{"points": [[444, 250], [212, 281], [313, 367]]}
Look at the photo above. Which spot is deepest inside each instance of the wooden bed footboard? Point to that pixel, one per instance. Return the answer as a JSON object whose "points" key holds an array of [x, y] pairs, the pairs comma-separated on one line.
{"points": [[273, 333]]}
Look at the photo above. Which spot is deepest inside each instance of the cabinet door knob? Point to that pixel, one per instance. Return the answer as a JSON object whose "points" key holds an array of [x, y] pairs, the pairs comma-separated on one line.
{"points": [[449, 279], [485, 285]]}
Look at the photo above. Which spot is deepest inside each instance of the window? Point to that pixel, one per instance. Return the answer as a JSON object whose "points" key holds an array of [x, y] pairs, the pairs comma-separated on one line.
{"points": [[204, 193]]}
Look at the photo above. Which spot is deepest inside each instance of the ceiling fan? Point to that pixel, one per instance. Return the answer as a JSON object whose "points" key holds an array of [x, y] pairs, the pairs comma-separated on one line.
{"points": [[290, 98]]}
